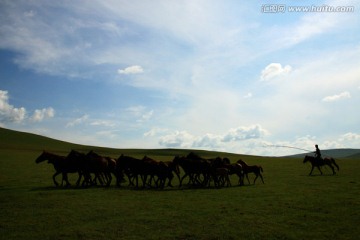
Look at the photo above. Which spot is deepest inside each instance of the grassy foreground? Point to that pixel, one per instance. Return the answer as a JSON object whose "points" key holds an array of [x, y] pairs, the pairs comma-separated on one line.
{"points": [[290, 205]]}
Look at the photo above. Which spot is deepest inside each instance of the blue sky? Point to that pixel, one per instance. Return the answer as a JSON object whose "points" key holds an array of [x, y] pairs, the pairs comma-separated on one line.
{"points": [[214, 75]]}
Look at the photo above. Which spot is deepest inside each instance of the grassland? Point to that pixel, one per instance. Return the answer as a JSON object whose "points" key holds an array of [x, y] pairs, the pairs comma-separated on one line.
{"points": [[290, 205]]}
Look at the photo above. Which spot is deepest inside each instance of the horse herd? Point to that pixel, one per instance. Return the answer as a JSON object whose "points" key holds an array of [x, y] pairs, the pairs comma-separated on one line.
{"points": [[94, 169]]}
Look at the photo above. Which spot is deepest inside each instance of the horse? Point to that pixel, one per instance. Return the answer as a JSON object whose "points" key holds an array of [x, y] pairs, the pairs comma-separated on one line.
{"points": [[194, 166], [318, 162], [236, 168], [256, 169], [101, 166], [62, 165], [174, 168], [79, 160], [160, 169], [221, 177], [132, 167]]}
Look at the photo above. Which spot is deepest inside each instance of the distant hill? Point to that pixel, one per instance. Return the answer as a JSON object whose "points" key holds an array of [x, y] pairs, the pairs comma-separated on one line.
{"points": [[20, 141], [23, 141], [335, 153]]}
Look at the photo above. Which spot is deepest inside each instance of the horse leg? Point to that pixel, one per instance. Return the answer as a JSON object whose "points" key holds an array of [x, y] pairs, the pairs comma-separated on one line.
{"points": [[320, 170], [55, 182], [332, 168], [256, 176], [261, 178], [228, 182], [65, 178], [109, 177], [182, 179], [247, 177], [79, 179], [333, 161], [129, 175], [170, 177], [241, 178], [312, 168], [144, 178]]}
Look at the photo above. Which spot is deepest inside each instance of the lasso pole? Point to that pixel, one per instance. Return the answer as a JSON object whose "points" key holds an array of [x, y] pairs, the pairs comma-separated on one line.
{"points": [[283, 146]]}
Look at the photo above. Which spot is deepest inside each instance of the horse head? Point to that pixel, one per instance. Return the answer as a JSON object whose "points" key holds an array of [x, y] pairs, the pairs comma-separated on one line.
{"points": [[42, 157], [226, 160], [177, 159], [73, 155], [307, 158], [242, 163]]}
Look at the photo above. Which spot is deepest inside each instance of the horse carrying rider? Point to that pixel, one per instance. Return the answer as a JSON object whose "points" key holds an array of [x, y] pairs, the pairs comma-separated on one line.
{"points": [[318, 153]]}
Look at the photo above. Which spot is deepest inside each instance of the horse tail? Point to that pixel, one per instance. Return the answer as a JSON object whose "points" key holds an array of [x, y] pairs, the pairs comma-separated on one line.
{"points": [[333, 161], [261, 169]]}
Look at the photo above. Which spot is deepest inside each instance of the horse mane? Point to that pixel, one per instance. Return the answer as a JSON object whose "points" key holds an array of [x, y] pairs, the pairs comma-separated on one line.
{"points": [[242, 162], [93, 154]]}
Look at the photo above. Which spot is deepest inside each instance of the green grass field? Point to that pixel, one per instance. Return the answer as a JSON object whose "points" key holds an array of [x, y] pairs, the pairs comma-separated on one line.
{"points": [[290, 205]]}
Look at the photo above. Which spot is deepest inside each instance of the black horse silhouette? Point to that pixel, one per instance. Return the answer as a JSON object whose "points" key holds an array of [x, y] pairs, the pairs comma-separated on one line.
{"points": [[319, 162]]}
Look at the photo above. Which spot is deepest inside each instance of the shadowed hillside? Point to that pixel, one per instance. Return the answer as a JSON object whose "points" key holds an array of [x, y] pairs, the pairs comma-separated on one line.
{"points": [[15, 140]]}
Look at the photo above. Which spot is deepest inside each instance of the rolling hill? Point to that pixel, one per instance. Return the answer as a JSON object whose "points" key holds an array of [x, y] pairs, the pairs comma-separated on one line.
{"points": [[23, 141], [11, 139]]}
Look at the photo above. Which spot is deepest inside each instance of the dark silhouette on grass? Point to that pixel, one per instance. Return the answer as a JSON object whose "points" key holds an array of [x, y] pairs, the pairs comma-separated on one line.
{"points": [[102, 167], [256, 169], [62, 165], [319, 162]]}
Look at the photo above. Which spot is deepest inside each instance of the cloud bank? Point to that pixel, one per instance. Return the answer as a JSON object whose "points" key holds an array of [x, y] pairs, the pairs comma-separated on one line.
{"points": [[11, 114], [184, 139]]}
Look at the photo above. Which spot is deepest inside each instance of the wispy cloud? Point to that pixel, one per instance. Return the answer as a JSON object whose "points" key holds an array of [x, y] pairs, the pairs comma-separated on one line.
{"points": [[274, 69], [248, 95], [135, 69], [337, 97], [78, 121]]}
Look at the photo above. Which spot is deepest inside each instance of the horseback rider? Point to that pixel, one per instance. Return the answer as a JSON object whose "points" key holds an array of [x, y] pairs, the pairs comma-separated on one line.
{"points": [[318, 153]]}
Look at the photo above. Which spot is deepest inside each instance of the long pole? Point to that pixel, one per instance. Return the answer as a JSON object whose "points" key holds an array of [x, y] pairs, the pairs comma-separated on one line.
{"points": [[283, 146]]}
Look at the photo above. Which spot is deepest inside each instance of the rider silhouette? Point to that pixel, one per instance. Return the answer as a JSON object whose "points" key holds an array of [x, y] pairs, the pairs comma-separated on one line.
{"points": [[318, 153]]}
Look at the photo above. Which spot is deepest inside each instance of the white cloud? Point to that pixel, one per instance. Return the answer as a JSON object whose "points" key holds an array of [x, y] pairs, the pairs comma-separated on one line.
{"points": [[9, 113], [245, 133], [42, 114], [131, 70], [177, 139], [212, 141], [274, 69], [337, 97], [78, 121], [350, 137]]}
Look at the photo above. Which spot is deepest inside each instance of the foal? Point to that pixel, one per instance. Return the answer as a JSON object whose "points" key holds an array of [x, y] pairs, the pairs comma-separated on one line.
{"points": [[256, 169]]}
